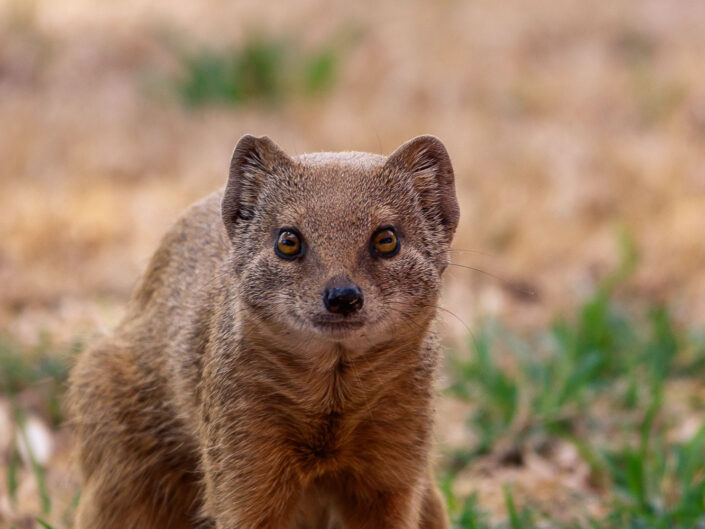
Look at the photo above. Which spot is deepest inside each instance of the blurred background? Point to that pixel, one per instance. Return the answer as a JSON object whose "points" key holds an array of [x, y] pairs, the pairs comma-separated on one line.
{"points": [[573, 391]]}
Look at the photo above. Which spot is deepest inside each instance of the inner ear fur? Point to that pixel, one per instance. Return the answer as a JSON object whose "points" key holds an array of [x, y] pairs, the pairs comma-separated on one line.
{"points": [[425, 159], [254, 161]]}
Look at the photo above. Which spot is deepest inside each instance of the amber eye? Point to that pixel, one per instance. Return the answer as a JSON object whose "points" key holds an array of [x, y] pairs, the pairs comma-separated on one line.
{"points": [[288, 244], [385, 243]]}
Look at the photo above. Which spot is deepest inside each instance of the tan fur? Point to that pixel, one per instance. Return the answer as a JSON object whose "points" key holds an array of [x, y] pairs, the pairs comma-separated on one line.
{"points": [[221, 400]]}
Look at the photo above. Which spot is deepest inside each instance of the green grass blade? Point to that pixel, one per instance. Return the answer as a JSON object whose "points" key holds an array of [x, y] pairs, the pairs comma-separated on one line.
{"points": [[514, 518]]}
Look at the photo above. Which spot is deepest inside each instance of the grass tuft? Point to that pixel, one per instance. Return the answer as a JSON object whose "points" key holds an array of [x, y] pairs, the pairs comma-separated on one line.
{"points": [[557, 384], [261, 70]]}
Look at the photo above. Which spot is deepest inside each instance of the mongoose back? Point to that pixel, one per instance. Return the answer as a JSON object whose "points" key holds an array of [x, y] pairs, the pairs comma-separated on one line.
{"points": [[275, 368]]}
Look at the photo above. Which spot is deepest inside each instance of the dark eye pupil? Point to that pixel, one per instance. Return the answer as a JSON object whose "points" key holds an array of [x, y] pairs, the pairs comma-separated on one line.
{"points": [[288, 245], [385, 243]]}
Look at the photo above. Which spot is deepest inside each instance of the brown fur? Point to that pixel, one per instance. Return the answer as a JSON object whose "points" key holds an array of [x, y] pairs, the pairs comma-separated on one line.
{"points": [[221, 401]]}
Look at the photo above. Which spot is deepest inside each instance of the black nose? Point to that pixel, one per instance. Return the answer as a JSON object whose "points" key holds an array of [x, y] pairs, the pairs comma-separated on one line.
{"points": [[343, 300]]}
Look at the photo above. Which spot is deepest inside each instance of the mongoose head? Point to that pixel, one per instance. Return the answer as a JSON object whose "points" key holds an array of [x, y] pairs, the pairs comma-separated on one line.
{"points": [[340, 247]]}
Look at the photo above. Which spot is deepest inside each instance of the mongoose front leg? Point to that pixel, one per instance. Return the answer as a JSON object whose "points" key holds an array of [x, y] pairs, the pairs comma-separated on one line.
{"points": [[242, 503], [419, 507], [433, 509], [250, 483], [382, 510]]}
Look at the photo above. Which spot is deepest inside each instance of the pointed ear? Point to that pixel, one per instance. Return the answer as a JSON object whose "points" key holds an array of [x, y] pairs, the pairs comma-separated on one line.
{"points": [[426, 161], [253, 163]]}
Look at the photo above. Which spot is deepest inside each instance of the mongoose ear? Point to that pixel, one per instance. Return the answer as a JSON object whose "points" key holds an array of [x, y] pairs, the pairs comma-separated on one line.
{"points": [[254, 161], [426, 160]]}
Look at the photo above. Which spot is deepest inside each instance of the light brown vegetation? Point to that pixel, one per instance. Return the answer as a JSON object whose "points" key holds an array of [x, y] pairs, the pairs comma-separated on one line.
{"points": [[560, 121]]}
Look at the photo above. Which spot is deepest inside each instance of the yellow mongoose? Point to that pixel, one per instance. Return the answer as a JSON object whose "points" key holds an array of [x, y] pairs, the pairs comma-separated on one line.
{"points": [[275, 368]]}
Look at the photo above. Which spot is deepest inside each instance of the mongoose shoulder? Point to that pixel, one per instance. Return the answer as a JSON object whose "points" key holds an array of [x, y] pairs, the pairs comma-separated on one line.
{"points": [[275, 367]]}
